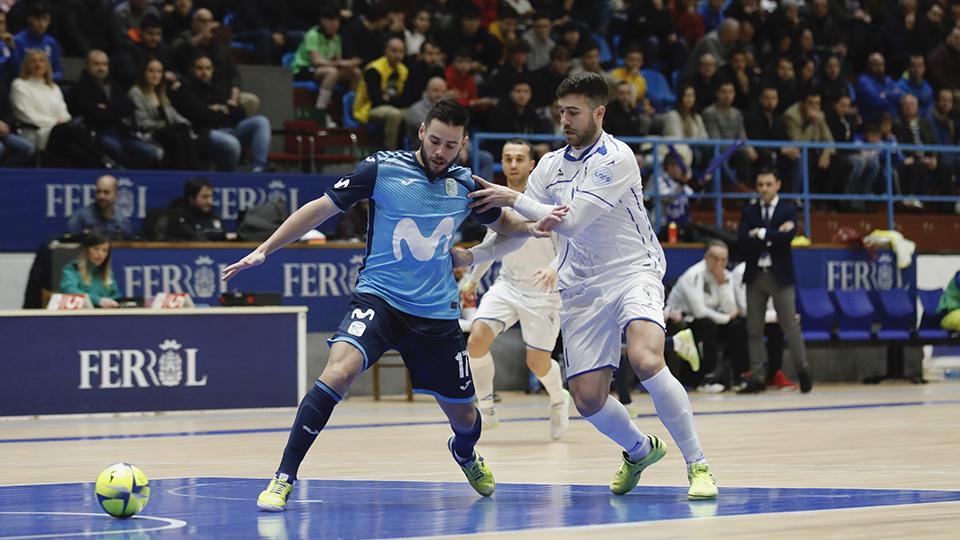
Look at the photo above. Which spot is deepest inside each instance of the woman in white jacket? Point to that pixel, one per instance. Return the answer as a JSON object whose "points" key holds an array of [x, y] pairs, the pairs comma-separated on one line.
{"points": [[39, 106]]}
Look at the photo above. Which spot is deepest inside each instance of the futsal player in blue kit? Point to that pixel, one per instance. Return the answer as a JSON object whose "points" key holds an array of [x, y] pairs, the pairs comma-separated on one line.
{"points": [[406, 297]]}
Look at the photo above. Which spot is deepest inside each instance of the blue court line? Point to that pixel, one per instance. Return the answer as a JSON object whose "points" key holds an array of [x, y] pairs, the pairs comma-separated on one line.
{"points": [[443, 423]]}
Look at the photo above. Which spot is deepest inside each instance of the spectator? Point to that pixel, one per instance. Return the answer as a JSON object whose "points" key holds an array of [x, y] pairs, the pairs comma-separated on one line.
{"points": [[913, 83], [766, 229], [622, 118], [918, 166], [764, 124], [91, 274], [541, 44], [719, 43], [827, 33], [573, 39], [712, 13], [704, 81], [462, 83], [744, 81], [804, 121], [262, 24], [193, 219], [156, 118], [786, 83], [516, 115], [15, 151], [877, 93], [230, 129], [130, 12], [8, 64], [945, 62], [832, 82], [724, 121], [864, 172], [630, 74], [418, 32], [684, 122], [106, 109], [943, 125], [435, 91], [365, 36], [546, 79], [933, 30], [660, 44], [36, 37], [101, 216], [589, 62], [688, 20], [320, 57], [484, 48], [900, 35], [506, 25], [207, 37], [704, 296], [380, 93], [177, 21], [514, 69], [38, 103], [674, 185], [427, 65], [128, 61], [950, 305]]}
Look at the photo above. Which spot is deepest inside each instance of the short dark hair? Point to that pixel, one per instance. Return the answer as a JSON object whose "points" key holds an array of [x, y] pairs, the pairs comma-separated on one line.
{"points": [[193, 186], [38, 9], [521, 142], [448, 111], [811, 91], [768, 86], [328, 11], [470, 11], [559, 53], [150, 21], [431, 42], [590, 85]]}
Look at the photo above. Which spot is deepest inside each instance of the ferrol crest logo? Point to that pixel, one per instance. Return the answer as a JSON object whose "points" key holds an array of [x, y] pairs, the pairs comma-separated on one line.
{"points": [[880, 274], [204, 277], [174, 365], [126, 200]]}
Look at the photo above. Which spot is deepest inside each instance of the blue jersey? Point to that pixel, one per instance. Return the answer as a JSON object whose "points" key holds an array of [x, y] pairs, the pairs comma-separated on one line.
{"points": [[412, 221]]}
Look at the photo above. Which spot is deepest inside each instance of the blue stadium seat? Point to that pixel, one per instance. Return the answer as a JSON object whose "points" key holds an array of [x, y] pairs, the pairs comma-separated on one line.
{"points": [[606, 57], [856, 314], [817, 314], [929, 318], [287, 61], [897, 314], [658, 90], [348, 120]]}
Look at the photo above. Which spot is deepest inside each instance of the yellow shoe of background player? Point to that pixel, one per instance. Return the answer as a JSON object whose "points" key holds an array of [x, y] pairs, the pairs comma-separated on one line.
{"points": [[686, 348], [274, 498]]}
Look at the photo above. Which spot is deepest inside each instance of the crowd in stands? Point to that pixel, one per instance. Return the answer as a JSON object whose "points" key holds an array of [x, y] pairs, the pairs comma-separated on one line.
{"points": [[170, 94]]}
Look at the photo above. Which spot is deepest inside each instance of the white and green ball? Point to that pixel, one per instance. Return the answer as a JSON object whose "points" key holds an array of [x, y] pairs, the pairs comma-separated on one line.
{"points": [[123, 490]]}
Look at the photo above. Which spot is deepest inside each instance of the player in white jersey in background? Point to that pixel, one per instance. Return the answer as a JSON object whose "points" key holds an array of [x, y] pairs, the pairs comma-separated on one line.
{"points": [[525, 291], [610, 268]]}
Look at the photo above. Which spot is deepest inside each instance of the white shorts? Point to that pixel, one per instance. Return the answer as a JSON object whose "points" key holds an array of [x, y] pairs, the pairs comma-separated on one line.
{"points": [[502, 306], [594, 315]]}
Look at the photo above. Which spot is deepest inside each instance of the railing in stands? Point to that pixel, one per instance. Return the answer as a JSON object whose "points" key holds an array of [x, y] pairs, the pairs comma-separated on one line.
{"points": [[651, 146]]}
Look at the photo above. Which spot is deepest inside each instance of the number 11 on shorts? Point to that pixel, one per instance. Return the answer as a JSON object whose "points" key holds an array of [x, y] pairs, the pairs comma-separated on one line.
{"points": [[463, 360]]}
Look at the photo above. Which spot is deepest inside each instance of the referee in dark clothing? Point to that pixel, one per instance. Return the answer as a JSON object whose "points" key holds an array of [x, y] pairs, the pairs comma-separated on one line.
{"points": [[767, 227]]}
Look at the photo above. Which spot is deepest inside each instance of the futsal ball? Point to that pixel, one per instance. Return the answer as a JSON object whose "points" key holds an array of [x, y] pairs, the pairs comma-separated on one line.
{"points": [[123, 490]]}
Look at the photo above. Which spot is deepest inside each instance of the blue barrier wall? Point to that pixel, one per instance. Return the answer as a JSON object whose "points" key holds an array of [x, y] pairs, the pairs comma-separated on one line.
{"points": [[37, 203], [322, 278], [136, 361]]}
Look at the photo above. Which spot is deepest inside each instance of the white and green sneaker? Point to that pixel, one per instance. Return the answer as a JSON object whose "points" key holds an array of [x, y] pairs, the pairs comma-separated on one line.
{"points": [[477, 472], [702, 483], [274, 498], [629, 474], [686, 348]]}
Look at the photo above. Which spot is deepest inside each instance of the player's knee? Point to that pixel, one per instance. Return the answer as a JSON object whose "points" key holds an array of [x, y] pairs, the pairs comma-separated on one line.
{"points": [[589, 404], [646, 362]]}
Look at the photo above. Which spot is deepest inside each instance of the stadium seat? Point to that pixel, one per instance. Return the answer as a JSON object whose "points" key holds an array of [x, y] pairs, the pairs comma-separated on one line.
{"points": [[606, 56], [856, 314], [287, 61], [897, 314], [817, 314], [930, 319], [658, 90], [348, 120]]}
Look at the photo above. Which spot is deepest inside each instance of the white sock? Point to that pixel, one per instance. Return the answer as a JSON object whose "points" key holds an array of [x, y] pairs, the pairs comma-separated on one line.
{"points": [[483, 370], [553, 383], [614, 421], [673, 408], [323, 99]]}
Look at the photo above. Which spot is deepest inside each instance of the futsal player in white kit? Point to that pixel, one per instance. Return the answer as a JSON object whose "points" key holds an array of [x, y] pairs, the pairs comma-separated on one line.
{"points": [[610, 268], [525, 291]]}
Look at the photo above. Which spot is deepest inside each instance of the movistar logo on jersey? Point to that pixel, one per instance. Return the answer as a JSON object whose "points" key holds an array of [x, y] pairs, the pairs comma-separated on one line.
{"points": [[423, 248]]}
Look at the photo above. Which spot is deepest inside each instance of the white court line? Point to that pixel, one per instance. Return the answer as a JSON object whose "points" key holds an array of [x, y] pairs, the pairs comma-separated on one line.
{"points": [[170, 525]]}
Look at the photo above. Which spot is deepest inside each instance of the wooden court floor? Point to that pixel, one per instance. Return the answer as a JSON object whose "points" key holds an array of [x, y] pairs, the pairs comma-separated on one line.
{"points": [[891, 436]]}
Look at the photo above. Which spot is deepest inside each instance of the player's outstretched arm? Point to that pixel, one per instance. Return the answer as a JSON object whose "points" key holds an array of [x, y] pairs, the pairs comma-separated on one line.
{"points": [[306, 218]]}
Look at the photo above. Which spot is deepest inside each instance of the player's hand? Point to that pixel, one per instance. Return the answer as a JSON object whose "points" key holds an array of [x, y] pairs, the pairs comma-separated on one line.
{"points": [[491, 196], [255, 258], [545, 279], [547, 224], [461, 257], [787, 226], [467, 286]]}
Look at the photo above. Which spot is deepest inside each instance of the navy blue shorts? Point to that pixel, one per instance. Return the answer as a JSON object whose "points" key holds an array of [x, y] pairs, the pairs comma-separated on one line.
{"points": [[434, 350]]}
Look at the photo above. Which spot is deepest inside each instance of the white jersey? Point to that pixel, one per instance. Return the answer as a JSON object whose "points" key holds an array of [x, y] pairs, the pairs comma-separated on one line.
{"points": [[517, 267], [619, 243]]}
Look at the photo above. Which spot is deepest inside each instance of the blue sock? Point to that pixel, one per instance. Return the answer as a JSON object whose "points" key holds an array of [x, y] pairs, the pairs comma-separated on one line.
{"points": [[311, 417], [463, 443]]}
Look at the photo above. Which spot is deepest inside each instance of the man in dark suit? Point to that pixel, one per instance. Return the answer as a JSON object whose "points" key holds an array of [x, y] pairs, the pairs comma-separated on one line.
{"points": [[766, 229]]}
